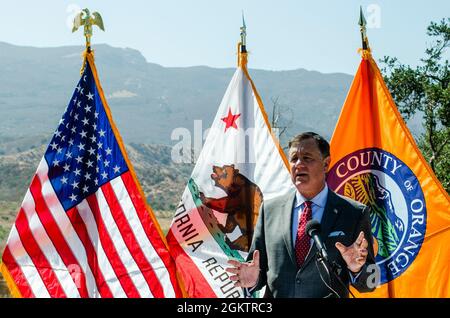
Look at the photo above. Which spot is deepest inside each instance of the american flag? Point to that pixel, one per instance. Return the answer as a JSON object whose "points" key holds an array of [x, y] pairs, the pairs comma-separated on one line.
{"points": [[84, 229]]}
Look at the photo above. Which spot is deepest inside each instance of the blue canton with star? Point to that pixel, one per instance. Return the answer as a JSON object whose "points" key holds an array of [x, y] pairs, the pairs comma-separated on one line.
{"points": [[83, 153]]}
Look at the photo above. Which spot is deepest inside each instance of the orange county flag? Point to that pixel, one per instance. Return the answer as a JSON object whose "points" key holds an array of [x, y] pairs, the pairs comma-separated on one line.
{"points": [[84, 228], [376, 161], [240, 165]]}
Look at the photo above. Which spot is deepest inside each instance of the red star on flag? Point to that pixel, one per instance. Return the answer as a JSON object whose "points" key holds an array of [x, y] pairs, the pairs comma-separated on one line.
{"points": [[230, 120]]}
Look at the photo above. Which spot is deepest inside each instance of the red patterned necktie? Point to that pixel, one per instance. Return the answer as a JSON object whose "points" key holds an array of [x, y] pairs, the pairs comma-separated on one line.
{"points": [[302, 241]]}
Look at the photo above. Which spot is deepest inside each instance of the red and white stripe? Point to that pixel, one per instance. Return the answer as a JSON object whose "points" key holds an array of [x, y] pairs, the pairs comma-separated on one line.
{"points": [[106, 246]]}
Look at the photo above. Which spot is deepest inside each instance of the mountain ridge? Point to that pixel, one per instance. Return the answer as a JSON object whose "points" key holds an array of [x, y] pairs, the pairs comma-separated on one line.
{"points": [[149, 101]]}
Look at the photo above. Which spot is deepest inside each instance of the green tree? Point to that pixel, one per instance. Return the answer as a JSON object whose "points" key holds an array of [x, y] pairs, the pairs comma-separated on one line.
{"points": [[424, 90]]}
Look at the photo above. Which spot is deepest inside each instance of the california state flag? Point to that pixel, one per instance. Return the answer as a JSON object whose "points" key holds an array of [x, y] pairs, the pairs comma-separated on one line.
{"points": [[240, 165], [375, 160]]}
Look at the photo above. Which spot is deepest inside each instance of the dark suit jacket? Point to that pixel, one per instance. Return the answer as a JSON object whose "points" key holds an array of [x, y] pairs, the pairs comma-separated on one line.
{"points": [[273, 238]]}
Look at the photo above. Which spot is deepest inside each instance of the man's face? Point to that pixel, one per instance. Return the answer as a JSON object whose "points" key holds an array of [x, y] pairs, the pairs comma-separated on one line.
{"points": [[308, 167]]}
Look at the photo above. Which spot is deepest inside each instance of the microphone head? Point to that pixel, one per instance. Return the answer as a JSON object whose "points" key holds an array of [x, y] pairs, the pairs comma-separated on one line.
{"points": [[312, 226]]}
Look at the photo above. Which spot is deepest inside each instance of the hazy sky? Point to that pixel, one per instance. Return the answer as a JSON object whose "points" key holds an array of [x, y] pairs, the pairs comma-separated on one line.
{"points": [[282, 34]]}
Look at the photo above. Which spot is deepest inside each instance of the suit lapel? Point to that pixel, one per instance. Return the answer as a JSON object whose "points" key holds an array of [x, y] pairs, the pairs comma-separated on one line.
{"points": [[287, 225], [330, 215]]}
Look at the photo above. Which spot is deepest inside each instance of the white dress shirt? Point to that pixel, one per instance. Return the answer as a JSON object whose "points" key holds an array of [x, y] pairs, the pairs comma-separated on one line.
{"points": [[318, 207]]}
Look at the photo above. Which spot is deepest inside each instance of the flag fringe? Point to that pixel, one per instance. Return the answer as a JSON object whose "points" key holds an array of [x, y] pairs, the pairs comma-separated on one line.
{"points": [[365, 54], [13, 290]]}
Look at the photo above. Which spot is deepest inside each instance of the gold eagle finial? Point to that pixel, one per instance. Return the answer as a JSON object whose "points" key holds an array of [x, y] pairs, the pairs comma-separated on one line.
{"points": [[88, 20]]}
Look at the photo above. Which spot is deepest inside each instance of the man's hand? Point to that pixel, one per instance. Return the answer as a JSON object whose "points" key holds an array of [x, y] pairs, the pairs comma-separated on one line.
{"points": [[354, 255], [245, 274]]}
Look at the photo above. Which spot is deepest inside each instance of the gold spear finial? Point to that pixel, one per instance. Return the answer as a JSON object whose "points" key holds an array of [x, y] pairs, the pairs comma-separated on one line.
{"points": [[242, 45], [88, 20], [243, 29], [365, 50], [362, 27]]}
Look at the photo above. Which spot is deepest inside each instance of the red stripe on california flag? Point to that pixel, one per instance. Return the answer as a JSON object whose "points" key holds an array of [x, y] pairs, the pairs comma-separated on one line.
{"points": [[131, 241], [197, 286], [16, 273], [110, 250], [80, 228], [55, 235], [41, 263], [150, 230]]}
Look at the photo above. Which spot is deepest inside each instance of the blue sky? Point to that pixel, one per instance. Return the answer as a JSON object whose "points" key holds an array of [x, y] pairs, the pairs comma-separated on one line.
{"points": [[282, 35]]}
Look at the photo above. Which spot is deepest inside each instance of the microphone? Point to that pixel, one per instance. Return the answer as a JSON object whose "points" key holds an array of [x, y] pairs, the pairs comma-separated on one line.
{"points": [[313, 230]]}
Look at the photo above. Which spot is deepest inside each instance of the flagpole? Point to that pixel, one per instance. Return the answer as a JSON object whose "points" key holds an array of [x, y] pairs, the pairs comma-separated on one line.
{"points": [[366, 54]]}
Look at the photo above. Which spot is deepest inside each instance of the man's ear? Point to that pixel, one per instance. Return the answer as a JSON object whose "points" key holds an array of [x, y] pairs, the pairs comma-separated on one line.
{"points": [[326, 163]]}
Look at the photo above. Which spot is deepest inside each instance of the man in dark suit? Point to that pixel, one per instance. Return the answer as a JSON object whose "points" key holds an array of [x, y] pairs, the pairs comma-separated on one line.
{"points": [[283, 257]]}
